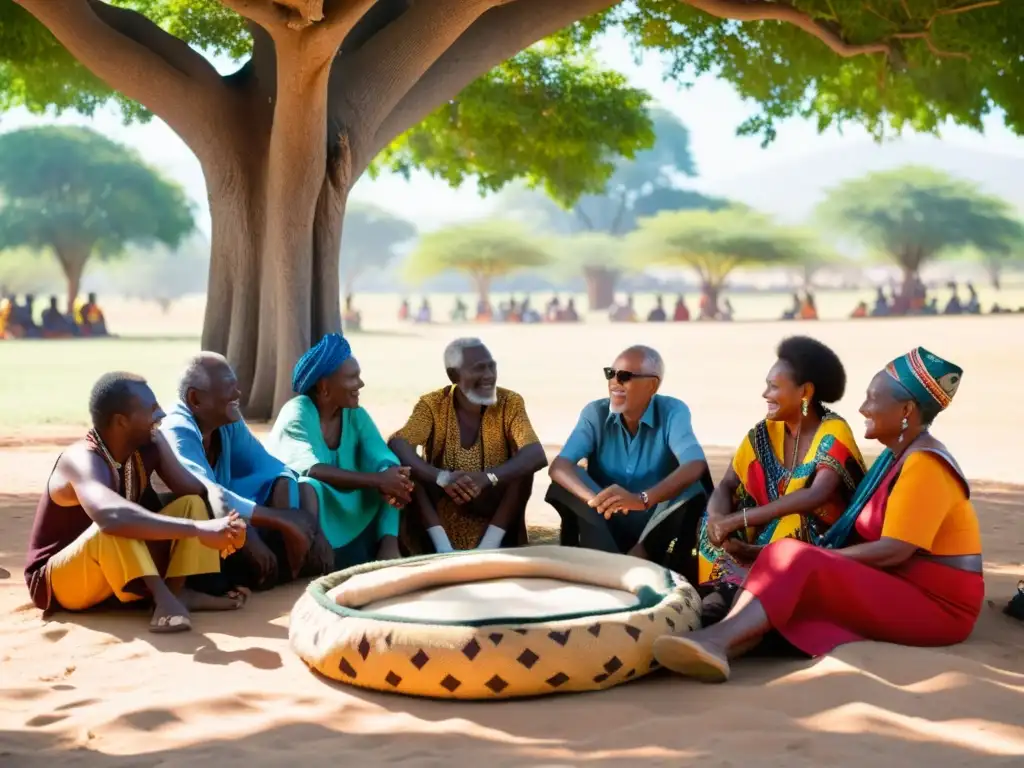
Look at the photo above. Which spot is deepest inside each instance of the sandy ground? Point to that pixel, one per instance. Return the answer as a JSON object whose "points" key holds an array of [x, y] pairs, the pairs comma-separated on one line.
{"points": [[100, 690]]}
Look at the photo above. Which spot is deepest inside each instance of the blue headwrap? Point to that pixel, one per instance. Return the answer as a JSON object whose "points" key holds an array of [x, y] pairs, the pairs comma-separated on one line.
{"points": [[322, 360]]}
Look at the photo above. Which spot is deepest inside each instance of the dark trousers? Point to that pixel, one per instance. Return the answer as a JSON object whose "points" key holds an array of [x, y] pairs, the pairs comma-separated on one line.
{"points": [[671, 543]]}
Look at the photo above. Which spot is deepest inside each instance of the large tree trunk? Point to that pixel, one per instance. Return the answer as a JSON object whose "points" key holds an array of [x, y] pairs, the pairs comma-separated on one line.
{"points": [[230, 326], [600, 287], [296, 169]]}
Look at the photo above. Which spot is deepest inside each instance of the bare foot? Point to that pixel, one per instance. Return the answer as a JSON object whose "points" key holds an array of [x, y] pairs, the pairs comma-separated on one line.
{"points": [[691, 658], [170, 616], [200, 601]]}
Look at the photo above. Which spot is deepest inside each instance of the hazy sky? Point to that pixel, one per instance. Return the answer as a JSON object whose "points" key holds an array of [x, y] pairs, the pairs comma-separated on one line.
{"points": [[710, 109]]}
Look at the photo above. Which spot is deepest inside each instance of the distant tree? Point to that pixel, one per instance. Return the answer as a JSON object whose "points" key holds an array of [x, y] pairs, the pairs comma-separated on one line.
{"points": [[714, 243], [80, 195], [996, 262], [815, 258], [368, 240], [482, 250], [916, 214], [640, 186], [599, 256]]}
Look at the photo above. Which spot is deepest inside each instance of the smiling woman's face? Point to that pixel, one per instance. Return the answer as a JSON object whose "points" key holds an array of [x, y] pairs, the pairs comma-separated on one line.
{"points": [[782, 394], [882, 410], [341, 388]]}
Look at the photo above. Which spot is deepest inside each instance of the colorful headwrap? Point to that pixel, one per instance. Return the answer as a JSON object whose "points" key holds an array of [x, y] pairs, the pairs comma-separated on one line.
{"points": [[926, 376], [322, 360]]}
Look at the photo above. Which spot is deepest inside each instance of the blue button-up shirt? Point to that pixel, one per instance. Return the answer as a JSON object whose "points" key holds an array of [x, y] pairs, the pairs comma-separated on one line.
{"points": [[664, 441]]}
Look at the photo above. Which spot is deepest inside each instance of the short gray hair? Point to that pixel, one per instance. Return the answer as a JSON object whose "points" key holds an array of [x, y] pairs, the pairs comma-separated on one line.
{"points": [[652, 362], [454, 352], [197, 373]]}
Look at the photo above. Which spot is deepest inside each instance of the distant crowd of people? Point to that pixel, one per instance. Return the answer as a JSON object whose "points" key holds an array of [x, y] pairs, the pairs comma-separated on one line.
{"points": [[915, 300], [18, 319], [513, 311]]}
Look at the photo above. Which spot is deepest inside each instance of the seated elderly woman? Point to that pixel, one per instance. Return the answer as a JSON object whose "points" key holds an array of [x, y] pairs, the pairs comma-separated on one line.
{"points": [[902, 565], [792, 477], [325, 436]]}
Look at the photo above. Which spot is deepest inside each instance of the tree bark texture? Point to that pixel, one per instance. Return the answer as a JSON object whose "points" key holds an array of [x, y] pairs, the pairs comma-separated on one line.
{"points": [[600, 287], [282, 140]]}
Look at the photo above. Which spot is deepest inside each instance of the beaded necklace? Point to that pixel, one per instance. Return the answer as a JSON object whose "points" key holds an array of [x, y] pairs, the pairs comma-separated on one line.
{"points": [[132, 489]]}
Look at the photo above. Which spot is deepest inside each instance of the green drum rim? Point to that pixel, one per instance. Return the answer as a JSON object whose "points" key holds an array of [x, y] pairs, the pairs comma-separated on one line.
{"points": [[647, 597]]}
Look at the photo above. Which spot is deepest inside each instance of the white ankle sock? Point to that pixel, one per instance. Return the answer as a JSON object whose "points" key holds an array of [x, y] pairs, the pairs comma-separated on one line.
{"points": [[492, 537]]}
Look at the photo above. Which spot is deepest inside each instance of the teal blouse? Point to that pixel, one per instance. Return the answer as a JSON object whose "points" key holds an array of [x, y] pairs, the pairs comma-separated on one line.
{"points": [[297, 440]]}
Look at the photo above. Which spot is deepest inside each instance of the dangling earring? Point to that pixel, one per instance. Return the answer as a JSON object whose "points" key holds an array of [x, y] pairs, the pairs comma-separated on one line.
{"points": [[803, 406], [903, 428]]}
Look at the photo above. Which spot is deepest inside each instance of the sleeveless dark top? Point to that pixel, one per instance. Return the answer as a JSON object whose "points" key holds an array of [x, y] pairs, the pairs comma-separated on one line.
{"points": [[55, 527]]}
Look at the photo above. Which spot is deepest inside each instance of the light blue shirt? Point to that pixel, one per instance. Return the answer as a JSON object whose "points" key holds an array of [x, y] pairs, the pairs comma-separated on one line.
{"points": [[664, 441], [244, 470]]}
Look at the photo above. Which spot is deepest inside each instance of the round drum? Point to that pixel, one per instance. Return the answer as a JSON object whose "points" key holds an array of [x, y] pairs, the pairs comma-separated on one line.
{"points": [[494, 624]]}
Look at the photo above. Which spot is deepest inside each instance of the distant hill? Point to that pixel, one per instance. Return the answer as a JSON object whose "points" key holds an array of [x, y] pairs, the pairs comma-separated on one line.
{"points": [[791, 191]]}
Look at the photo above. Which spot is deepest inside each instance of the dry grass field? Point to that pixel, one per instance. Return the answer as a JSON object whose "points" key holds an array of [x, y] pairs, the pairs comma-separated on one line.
{"points": [[99, 690]]}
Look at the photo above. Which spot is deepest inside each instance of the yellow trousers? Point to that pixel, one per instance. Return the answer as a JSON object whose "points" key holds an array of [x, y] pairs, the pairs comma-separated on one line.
{"points": [[96, 565]]}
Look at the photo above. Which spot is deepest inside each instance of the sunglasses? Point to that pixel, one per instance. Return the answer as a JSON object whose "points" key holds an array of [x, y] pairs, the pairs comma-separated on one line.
{"points": [[625, 376]]}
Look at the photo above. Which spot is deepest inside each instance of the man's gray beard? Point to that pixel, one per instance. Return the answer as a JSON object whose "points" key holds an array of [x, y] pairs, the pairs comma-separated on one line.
{"points": [[478, 398], [616, 409]]}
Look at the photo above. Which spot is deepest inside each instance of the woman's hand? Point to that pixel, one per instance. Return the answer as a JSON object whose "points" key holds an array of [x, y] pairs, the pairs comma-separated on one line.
{"points": [[395, 485], [721, 527]]}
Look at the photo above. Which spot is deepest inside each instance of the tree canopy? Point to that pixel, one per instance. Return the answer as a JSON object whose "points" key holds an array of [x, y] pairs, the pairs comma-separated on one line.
{"points": [[913, 214], [482, 250], [368, 240], [581, 120], [78, 194], [714, 243], [888, 65]]}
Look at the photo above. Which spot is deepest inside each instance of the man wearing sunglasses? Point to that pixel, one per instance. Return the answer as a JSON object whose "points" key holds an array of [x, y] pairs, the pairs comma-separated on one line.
{"points": [[645, 470]]}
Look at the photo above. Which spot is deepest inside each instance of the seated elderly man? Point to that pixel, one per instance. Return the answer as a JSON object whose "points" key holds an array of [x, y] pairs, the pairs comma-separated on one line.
{"points": [[480, 455], [643, 465], [100, 532], [206, 432]]}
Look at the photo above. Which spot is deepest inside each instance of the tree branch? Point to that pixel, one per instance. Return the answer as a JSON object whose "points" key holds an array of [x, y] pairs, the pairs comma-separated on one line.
{"points": [[936, 51], [962, 9], [387, 66], [763, 10], [496, 36], [267, 13], [137, 58]]}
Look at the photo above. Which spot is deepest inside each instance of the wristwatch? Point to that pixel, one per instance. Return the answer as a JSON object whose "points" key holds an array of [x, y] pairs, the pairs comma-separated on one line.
{"points": [[493, 478], [444, 477], [645, 499]]}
